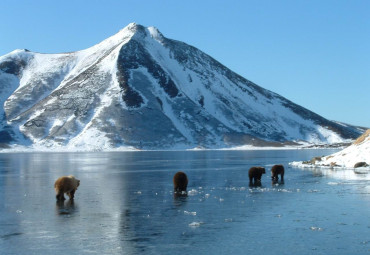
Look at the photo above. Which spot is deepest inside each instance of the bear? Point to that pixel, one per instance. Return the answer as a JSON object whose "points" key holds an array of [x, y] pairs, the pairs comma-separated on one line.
{"points": [[275, 171], [255, 174], [66, 184], [180, 183]]}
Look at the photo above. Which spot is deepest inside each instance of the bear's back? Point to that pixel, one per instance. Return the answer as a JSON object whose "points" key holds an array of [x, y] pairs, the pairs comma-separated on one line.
{"points": [[256, 170], [277, 169], [66, 183], [180, 181]]}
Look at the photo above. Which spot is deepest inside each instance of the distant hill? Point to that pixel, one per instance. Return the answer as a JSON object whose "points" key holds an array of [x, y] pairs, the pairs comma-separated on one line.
{"points": [[142, 90]]}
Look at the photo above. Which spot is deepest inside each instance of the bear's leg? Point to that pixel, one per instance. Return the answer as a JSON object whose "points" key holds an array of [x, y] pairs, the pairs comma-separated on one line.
{"points": [[255, 181], [60, 196], [259, 177], [258, 180], [72, 194], [250, 180], [282, 177]]}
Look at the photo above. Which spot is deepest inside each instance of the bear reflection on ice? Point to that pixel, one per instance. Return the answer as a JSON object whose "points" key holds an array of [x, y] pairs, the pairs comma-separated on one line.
{"points": [[180, 183], [66, 184]]}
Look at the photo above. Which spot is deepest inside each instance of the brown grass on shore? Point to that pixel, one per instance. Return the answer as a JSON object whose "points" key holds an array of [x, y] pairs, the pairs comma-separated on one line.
{"points": [[362, 137]]}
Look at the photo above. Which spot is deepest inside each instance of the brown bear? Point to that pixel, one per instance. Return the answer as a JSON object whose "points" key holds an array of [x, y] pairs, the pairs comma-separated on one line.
{"points": [[66, 184], [255, 174], [275, 171], [180, 182]]}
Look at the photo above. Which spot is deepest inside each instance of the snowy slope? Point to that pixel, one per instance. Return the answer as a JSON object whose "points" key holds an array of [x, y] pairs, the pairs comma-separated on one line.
{"points": [[358, 151], [140, 89]]}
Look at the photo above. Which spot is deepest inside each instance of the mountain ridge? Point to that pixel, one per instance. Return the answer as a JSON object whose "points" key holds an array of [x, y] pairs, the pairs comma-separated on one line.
{"points": [[140, 89]]}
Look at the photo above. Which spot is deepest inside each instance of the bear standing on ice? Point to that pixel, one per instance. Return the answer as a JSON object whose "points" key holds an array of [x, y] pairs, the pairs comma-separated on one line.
{"points": [[255, 174], [180, 182], [66, 184], [275, 171]]}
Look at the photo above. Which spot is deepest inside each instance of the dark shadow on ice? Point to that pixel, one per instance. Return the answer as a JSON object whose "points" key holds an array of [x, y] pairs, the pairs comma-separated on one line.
{"points": [[7, 236], [138, 229], [65, 208], [361, 171], [257, 184], [180, 199], [178, 195], [277, 183]]}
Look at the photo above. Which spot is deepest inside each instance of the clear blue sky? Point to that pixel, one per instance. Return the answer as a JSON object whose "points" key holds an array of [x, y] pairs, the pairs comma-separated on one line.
{"points": [[315, 53]]}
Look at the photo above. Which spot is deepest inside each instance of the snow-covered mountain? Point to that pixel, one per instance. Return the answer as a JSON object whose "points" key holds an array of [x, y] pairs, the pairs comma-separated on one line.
{"points": [[141, 89]]}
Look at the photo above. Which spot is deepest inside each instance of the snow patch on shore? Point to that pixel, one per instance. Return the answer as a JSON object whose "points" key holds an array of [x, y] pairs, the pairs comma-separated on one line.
{"points": [[342, 164]]}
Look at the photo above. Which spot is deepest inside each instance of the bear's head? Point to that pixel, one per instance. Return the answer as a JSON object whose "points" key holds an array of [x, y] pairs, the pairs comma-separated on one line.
{"points": [[76, 181]]}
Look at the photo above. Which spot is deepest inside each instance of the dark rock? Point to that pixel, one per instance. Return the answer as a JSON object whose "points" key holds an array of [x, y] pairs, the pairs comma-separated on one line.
{"points": [[361, 164]]}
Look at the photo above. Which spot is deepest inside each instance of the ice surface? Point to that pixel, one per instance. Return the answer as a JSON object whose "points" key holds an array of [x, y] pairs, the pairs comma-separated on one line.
{"points": [[125, 205], [196, 224]]}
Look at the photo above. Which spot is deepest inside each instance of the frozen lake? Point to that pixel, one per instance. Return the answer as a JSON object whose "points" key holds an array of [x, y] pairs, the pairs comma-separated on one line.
{"points": [[125, 205]]}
